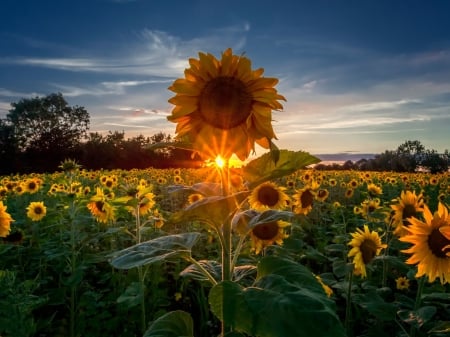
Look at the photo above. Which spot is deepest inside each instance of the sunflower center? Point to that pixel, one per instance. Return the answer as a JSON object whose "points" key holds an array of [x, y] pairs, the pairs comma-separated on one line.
{"points": [[32, 186], [268, 196], [266, 231], [38, 210], [99, 205], [225, 102], [322, 193], [408, 211], [306, 198], [437, 242], [368, 250]]}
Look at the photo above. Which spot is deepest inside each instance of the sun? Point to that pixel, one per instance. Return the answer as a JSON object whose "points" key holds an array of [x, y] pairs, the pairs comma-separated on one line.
{"points": [[220, 162]]}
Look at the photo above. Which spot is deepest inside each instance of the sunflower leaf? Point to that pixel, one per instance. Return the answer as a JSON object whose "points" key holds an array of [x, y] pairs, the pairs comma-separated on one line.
{"points": [[269, 216], [266, 168], [212, 210], [172, 324], [286, 299], [166, 248], [214, 268]]}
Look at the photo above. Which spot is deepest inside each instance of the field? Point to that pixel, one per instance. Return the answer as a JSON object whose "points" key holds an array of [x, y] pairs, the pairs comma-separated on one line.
{"points": [[312, 253]]}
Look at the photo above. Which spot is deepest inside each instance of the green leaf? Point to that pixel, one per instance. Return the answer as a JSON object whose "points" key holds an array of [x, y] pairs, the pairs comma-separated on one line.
{"points": [[211, 266], [269, 216], [376, 305], [286, 300], [274, 152], [419, 317], [166, 248], [173, 324], [212, 210], [132, 295], [267, 168], [441, 329]]}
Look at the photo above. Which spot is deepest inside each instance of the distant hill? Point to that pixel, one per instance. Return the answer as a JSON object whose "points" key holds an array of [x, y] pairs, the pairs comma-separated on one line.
{"points": [[329, 158]]}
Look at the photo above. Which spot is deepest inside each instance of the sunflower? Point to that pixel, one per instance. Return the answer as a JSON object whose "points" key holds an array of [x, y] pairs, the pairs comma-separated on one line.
{"points": [[146, 201], [369, 206], [5, 221], [223, 106], [268, 195], [304, 198], [322, 194], [36, 210], [374, 190], [430, 241], [194, 197], [266, 234], [31, 185], [100, 208], [366, 245], [408, 205], [402, 283]]}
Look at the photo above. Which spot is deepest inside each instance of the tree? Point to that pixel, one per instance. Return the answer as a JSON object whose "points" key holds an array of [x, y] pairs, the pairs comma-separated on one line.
{"points": [[435, 162], [47, 130], [409, 155], [8, 148]]}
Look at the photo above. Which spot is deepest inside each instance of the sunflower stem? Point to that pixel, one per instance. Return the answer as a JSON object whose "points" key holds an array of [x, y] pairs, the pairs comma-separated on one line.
{"points": [[413, 329], [348, 306], [226, 244]]}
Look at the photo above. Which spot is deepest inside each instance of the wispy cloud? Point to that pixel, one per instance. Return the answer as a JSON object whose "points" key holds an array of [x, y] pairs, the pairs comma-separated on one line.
{"points": [[155, 53]]}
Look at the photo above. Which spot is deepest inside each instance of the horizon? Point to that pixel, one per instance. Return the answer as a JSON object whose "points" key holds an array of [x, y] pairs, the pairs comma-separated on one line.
{"points": [[359, 78]]}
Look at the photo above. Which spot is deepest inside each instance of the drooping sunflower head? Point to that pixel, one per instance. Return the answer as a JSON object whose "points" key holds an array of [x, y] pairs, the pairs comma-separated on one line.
{"points": [[268, 233], [268, 195], [430, 241], [223, 106], [366, 245], [36, 210]]}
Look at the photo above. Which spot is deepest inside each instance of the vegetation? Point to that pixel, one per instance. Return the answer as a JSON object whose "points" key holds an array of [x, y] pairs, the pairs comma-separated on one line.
{"points": [[56, 278], [39, 133]]}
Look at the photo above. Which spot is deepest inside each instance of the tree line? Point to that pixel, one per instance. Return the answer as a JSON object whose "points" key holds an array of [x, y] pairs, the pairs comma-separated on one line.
{"points": [[411, 156], [39, 133]]}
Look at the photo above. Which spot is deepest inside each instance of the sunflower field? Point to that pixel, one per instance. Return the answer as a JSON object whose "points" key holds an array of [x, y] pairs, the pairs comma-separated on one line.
{"points": [[346, 254], [269, 248]]}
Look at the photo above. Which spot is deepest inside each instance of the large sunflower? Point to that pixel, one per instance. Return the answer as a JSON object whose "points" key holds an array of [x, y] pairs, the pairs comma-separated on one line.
{"points": [[268, 195], [366, 245], [430, 241], [223, 106], [408, 205], [5, 221], [36, 210]]}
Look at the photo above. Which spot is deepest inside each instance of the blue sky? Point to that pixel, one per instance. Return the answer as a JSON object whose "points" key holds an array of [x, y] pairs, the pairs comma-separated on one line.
{"points": [[359, 76]]}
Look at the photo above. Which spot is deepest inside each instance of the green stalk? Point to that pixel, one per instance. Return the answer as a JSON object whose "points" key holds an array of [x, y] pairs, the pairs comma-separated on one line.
{"points": [[72, 269], [413, 329], [141, 273], [349, 298], [226, 244]]}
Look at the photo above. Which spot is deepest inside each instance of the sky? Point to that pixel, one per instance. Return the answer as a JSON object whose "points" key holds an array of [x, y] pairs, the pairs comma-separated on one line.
{"points": [[359, 76]]}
